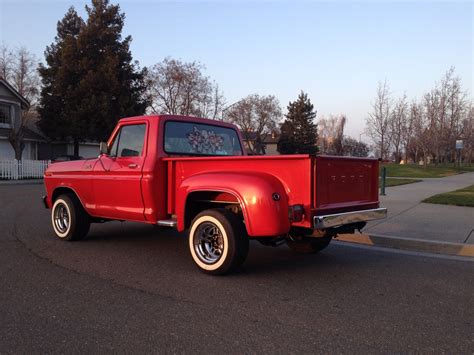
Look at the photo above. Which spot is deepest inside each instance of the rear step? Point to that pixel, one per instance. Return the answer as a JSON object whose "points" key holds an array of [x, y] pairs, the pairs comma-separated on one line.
{"points": [[167, 223]]}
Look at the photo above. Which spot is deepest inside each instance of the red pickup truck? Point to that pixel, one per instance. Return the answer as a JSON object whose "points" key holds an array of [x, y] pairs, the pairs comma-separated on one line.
{"points": [[194, 174]]}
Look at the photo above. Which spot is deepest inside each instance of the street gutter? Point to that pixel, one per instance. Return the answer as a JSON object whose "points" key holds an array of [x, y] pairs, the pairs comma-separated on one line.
{"points": [[411, 244]]}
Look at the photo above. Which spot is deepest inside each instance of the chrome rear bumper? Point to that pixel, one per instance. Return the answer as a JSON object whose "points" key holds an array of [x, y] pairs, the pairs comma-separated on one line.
{"points": [[340, 219]]}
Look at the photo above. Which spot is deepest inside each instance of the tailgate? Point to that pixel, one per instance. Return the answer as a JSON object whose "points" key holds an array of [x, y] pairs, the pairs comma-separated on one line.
{"points": [[344, 184]]}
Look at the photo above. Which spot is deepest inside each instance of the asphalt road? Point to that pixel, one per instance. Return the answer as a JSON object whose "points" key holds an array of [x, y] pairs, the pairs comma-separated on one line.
{"points": [[134, 288]]}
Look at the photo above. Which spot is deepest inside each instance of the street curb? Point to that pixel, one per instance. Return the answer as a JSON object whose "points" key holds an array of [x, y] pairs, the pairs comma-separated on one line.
{"points": [[21, 182], [411, 244]]}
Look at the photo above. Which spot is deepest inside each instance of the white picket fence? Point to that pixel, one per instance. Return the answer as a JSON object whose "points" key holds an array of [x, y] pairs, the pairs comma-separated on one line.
{"points": [[22, 169]]}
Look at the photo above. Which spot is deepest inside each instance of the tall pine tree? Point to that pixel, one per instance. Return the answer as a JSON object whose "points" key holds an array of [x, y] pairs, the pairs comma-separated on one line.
{"points": [[59, 79], [299, 133], [111, 86], [95, 80]]}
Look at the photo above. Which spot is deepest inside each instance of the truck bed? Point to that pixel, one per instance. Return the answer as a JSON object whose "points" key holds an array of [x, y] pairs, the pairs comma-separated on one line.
{"points": [[337, 184]]}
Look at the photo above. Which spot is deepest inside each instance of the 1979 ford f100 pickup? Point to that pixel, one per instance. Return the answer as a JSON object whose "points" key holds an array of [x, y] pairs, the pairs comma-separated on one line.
{"points": [[194, 174]]}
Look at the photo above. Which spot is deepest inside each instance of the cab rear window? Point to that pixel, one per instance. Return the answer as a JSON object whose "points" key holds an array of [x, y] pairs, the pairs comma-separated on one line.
{"points": [[189, 138]]}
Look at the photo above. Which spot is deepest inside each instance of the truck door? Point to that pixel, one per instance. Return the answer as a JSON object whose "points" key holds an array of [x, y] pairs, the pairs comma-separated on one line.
{"points": [[117, 176]]}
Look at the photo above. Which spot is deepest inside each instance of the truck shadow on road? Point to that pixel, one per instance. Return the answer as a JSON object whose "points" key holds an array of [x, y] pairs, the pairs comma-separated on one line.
{"points": [[157, 261], [166, 246]]}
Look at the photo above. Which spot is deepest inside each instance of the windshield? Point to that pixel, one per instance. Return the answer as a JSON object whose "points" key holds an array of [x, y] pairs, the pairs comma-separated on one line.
{"points": [[200, 139]]}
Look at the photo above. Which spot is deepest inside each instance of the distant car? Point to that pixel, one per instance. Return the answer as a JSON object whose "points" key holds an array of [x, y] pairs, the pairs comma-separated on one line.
{"points": [[66, 158]]}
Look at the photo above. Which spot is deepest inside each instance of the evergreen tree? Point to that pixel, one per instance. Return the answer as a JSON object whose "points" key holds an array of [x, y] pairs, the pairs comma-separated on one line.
{"points": [[92, 77], [299, 133], [59, 77], [111, 85]]}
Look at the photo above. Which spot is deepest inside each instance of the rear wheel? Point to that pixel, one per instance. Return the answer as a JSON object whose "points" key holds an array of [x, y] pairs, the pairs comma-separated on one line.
{"points": [[218, 241], [69, 220], [308, 245]]}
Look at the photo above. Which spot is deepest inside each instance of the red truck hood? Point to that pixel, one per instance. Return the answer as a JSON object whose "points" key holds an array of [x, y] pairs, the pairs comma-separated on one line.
{"points": [[70, 166]]}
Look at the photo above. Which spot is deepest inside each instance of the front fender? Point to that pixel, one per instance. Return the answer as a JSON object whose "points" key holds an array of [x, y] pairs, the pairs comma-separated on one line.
{"points": [[263, 215]]}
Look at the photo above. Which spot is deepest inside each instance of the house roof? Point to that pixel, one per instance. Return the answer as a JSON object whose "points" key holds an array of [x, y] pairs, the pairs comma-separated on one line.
{"points": [[24, 102], [29, 134], [269, 139]]}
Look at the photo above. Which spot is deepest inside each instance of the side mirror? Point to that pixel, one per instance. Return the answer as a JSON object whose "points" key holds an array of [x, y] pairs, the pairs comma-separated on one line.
{"points": [[104, 149]]}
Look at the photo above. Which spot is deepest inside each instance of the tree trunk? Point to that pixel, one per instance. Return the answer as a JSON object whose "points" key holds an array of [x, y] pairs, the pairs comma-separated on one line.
{"points": [[18, 151], [425, 163], [382, 152], [16, 141]]}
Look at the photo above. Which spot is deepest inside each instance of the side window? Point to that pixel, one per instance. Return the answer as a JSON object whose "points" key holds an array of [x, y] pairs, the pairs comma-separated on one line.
{"points": [[6, 115], [129, 141]]}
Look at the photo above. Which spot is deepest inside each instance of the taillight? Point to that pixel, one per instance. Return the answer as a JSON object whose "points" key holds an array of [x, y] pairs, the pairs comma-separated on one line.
{"points": [[296, 213]]}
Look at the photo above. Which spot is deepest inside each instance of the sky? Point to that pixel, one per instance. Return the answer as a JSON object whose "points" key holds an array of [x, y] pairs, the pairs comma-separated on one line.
{"points": [[335, 51]]}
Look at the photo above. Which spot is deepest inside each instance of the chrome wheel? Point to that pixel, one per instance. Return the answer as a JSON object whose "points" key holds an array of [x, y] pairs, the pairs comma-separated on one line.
{"points": [[61, 218], [208, 243], [218, 241], [68, 218]]}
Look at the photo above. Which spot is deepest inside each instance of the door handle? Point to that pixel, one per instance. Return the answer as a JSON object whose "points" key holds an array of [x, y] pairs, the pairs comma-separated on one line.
{"points": [[132, 166]]}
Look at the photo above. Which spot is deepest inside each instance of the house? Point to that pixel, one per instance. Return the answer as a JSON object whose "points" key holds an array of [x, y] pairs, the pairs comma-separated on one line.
{"points": [[37, 146], [11, 106], [269, 144]]}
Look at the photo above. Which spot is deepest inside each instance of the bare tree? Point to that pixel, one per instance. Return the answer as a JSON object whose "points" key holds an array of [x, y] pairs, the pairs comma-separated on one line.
{"points": [[426, 130], [467, 135], [180, 88], [331, 134], [339, 136], [414, 119], [456, 110], [325, 129], [257, 117], [398, 125], [445, 106], [7, 60], [419, 146], [378, 121], [19, 69], [407, 129]]}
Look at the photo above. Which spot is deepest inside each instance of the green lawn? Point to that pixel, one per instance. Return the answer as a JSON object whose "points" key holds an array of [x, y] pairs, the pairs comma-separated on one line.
{"points": [[462, 197], [419, 171], [396, 182], [467, 168]]}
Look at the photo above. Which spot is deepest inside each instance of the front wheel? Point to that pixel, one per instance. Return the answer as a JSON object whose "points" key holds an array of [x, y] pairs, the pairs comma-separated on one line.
{"points": [[218, 241], [69, 220], [308, 245]]}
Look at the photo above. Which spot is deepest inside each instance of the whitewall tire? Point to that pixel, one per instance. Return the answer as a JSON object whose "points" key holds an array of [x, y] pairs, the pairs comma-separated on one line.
{"points": [[218, 241], [68, 218]]}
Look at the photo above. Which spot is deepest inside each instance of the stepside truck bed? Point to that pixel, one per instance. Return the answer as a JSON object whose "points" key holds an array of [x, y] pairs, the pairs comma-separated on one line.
{"points": [[336, 184]]}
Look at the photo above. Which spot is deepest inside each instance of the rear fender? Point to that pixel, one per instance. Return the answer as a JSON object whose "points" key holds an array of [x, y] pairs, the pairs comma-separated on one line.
{"points": [[261, 196]]}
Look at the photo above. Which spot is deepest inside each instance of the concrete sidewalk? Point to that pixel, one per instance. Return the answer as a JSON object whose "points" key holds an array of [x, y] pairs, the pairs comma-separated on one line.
{"points": [[408, 217]]}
